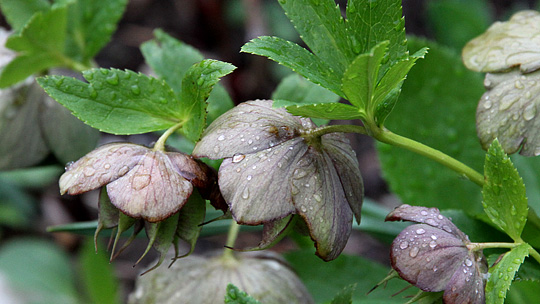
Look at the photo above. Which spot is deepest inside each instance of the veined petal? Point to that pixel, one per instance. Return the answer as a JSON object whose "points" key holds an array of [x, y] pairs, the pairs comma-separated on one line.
{"points": [[100, 167], [319, 198], [153, 189], [249, 127], [467, 285], [257, 186]]}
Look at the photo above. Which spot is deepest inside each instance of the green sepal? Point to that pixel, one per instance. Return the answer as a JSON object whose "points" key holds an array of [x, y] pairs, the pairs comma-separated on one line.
{"points": [[191, 216], [504, 197], [197, 84], [108, 215], [19, 12], [40, 45], [124, 223], [161, 236], [345, 295], [502, 274], [237, 296], [115, 101]]}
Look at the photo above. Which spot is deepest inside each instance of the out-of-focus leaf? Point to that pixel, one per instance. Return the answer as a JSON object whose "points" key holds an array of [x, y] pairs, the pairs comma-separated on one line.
{"points": [[326, 111], [197, 84], [114, 101], [38, 271], [522, 292], [529, 169], [435, 101], [506, 45], [219, 102], [33, 177], [502, 274], [455, 22], [345, 295], [67, 137], [22, 142], [97, 274], [504, 198], [508, 111], [19, 12], [237, 296]]}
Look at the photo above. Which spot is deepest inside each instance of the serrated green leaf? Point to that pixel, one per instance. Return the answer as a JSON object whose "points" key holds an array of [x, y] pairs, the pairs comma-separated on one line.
{"points": [[368, 24], [91, 25], [322, 28], [504, 198], [98, 278], [40, 45], [119, 102], [360, 78], [298, 59], [197, 84], [170, 58], [18, 12], [237, 296], [502, 274], [345, 295], [326, 111], [435, 101]]}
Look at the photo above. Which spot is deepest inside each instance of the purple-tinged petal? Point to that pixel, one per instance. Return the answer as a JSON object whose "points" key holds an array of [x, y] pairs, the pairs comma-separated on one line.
{"points": [[99, 167], [467, 285], [257, 186], [346, 164], [249, 127], [153, 189], [427, 257], [319, 198]]}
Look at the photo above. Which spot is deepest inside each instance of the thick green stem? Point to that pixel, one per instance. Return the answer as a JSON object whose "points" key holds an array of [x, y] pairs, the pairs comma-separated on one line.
{"points": [[535, 254], [160, 144], [234, 229], [480, 246]]}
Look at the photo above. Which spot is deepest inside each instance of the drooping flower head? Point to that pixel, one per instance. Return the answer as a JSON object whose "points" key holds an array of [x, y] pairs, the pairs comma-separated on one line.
{"points": [[276, 167], [433, 256]]}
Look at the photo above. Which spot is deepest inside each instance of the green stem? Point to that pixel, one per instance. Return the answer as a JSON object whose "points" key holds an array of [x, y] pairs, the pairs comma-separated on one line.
{"points": [[534, 254], [234, 229], [160, 144], [480, 246]]}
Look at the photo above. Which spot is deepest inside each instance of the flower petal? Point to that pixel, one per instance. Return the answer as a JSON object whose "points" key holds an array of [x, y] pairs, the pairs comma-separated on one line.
{"points": [[505, 45], [257, 186], [152, 190], [247, 128], [100, 167], [319, 198], [467, 285], [346, 164], [427, 257]]}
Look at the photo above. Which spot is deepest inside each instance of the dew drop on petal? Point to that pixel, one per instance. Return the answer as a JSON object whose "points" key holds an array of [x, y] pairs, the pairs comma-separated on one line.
{"points": [[414, 252], [69, 165], [424, 212], [123, 170], [404, 245], [468, 262], [249, 177], [317, 198], [107, 166], [140, 181], [245, 193], [432, 222], [303, 208], [89, 171], [221, 137], [432, 244], [238, 158], [433, 237], [420, 231]]}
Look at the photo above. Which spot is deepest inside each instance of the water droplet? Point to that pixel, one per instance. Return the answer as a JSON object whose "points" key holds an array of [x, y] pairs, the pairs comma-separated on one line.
{"points": [[414, 252], [303, 208], [107, 166], [140, 181], [238, 158], [123, 170], [299, 173], [245, 193], [440, 217], [317, 198], [216, 149], [424, 212], [432, 244], [69, 165], [254, 167], [447, 228], [89, 171], [433, 237], [250, 142], [93, 92], [404, 245], [487, 104], [468, 262], [162, 100], [135, 89], [435, 268], [113, 79], [221, 137], [529, 112], [282, 1], [420, 231], [432, 222], [249, 177]]}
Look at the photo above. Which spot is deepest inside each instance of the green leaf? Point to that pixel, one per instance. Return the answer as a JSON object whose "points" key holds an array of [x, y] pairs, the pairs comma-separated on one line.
{"points": [[502, 274], [197, 84], [455, 22], [40, 43], [361, 77], [97, 274], [170, 58], [529, 169], [91, 25], [114, 101], [435, 101], [219, 102], [38, 269], [345, 295], [236, 296], [298, 59], [344, 271], [368, 24], [504, 198], [18, 12], [322, 28], [522, 292], [326, 111]]}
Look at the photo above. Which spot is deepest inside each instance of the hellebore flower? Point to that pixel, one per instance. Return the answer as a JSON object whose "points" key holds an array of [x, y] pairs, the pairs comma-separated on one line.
{"points": [[141, 182], [433, 256], [276, 167], [203, 279]]}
